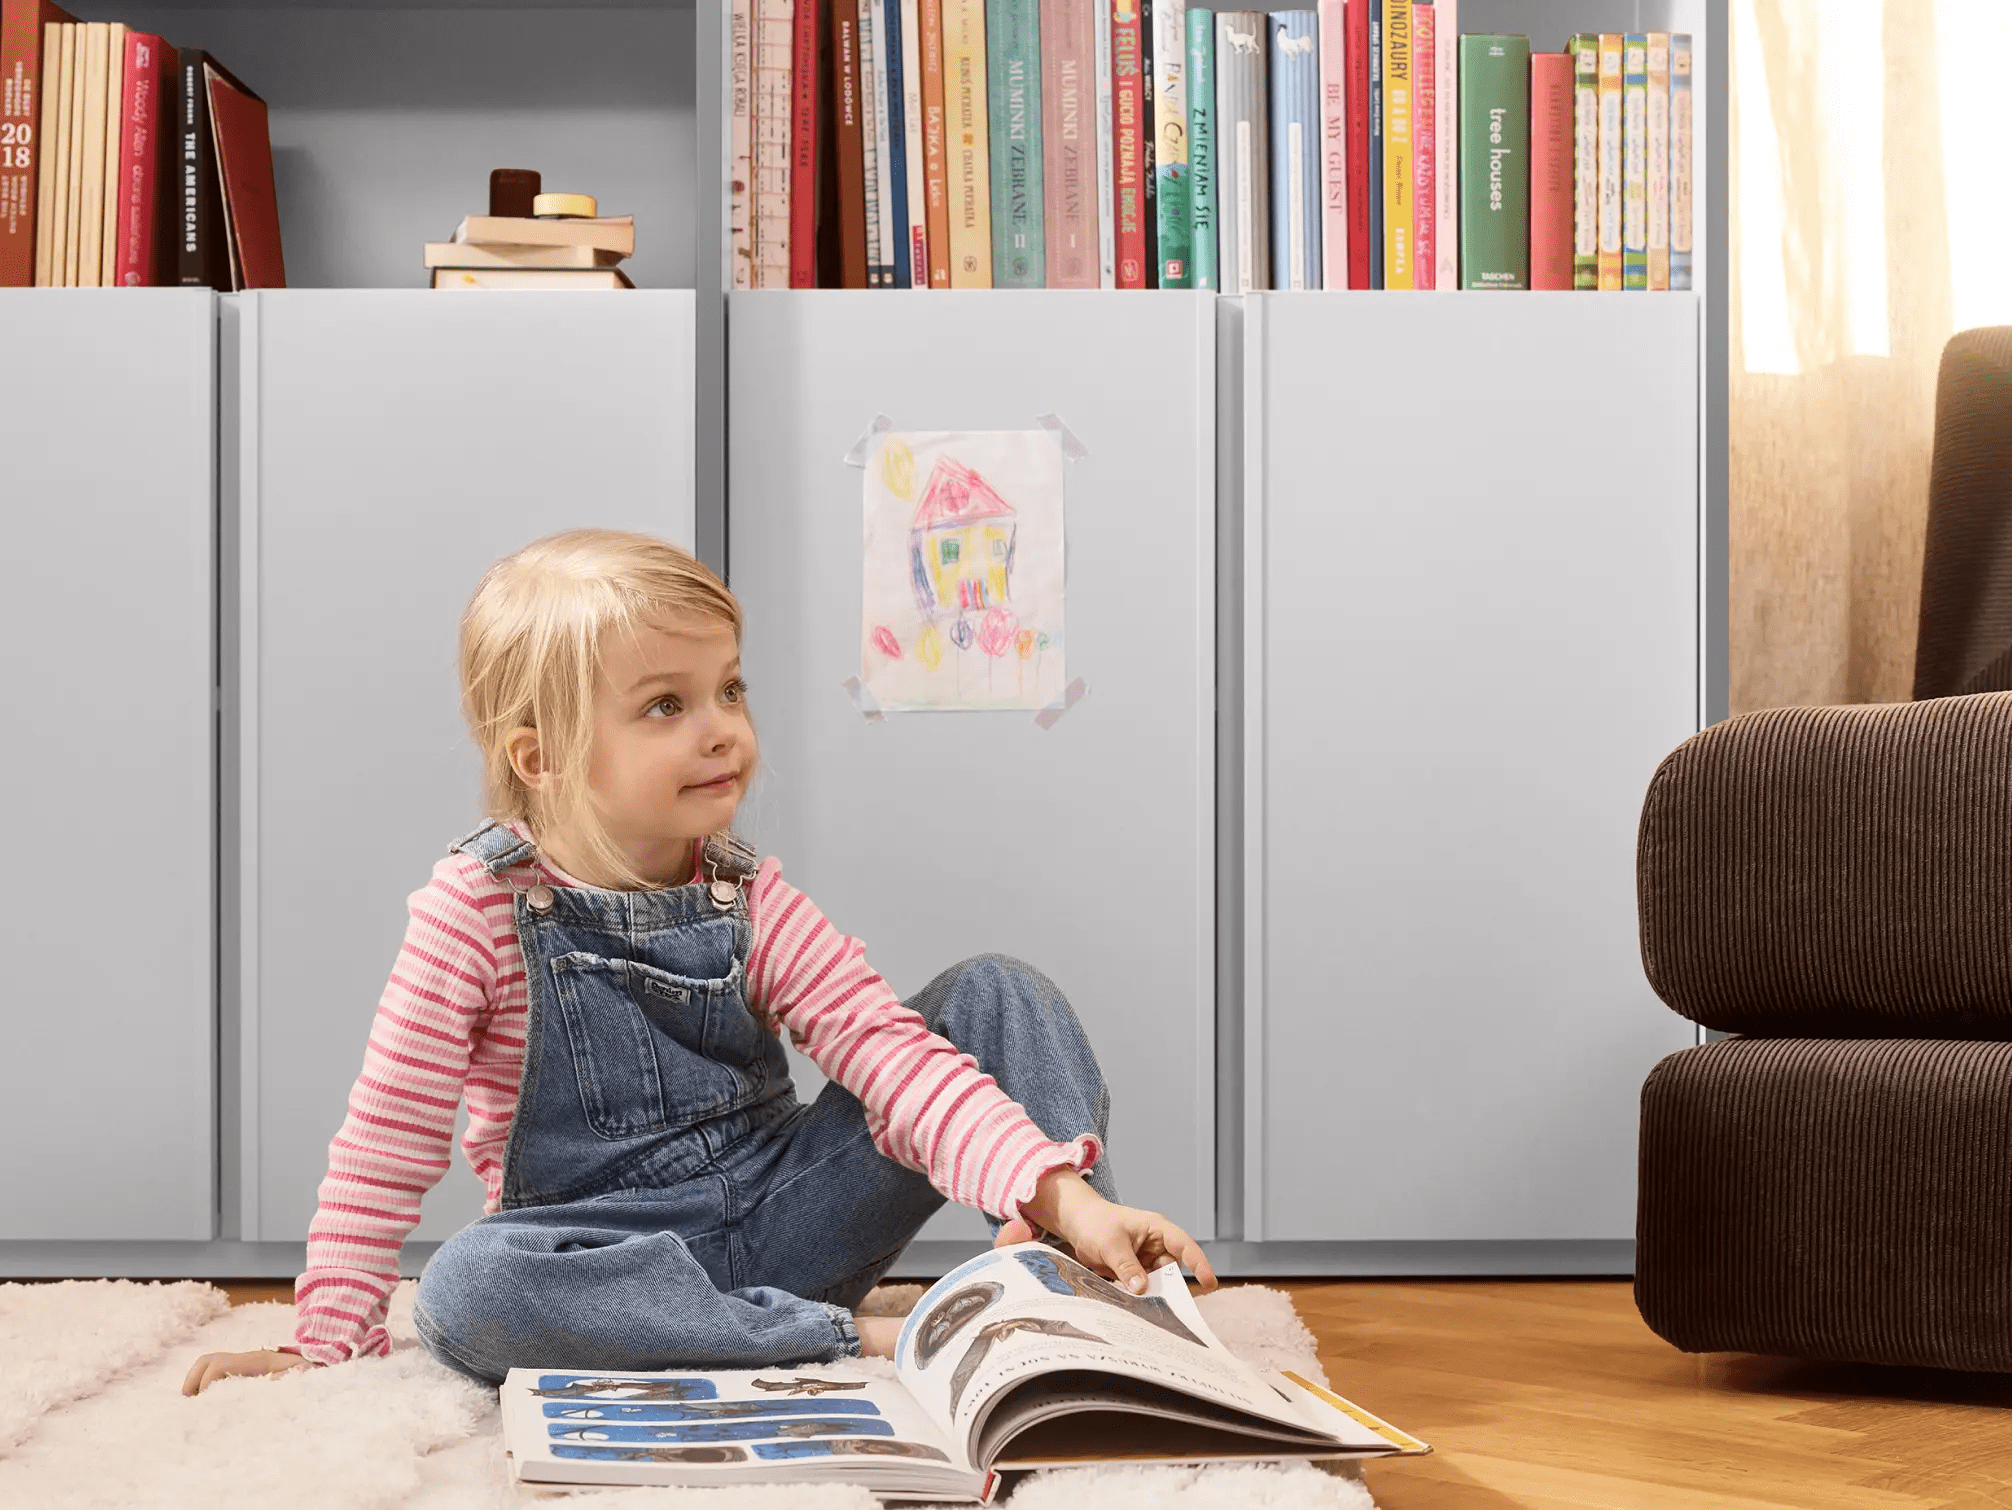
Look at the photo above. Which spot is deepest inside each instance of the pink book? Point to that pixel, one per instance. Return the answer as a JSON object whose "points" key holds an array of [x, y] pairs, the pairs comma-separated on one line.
{"points": [[146, 68], [1333, 145], [1424, 147], [1550, 170], [1069, 141]]}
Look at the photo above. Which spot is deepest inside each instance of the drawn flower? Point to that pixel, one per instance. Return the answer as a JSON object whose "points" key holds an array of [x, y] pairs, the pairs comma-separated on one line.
{"points": [[897, 467], [929, 647], [960, 634], [995, 632], [885, 642]]}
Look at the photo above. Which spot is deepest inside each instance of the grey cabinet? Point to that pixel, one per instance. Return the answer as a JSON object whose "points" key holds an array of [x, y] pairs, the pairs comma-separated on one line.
{"points": [[107, 474], [1086, 847], [384, 448], [1470, 631]]}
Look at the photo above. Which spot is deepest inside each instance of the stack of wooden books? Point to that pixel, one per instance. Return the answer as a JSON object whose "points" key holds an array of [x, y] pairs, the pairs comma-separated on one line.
{"points": [[539, 251]]}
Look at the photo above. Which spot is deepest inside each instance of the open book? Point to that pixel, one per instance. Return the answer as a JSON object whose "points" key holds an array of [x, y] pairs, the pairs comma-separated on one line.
{"points": [[1021, 1358]]}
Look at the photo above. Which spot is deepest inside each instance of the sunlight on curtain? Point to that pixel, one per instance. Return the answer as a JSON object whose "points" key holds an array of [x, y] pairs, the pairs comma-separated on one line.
{"points": [[1974, 37], [1767, 344], [1851, 69]]}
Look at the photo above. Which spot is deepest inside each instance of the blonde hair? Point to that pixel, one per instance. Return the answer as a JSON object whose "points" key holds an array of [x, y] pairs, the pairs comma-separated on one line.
{"points": [[531, 656]]}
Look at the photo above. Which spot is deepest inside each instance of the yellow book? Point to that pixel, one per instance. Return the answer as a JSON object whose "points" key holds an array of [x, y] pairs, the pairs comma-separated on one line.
{"points": [[969, 139], [45, 146], [1610, 161], [115, 103], [63, 254], [91, 132], [1399, 229]]}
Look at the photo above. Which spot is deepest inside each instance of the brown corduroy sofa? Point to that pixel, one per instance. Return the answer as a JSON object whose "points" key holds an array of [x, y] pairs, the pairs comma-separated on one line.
{"points": [[1834, 886]]}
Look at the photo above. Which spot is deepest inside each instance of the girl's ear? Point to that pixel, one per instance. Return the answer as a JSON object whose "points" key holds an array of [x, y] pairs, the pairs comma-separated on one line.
{"points": [[521, 745]]}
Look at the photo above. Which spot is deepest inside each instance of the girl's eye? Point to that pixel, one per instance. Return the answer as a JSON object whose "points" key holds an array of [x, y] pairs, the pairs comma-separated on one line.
{"points": [[667, 706], [737, 691]]}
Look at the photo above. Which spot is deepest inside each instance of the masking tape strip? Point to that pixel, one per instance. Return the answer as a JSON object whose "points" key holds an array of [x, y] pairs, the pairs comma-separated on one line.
{"points": [[1072, 448], [863, 699], [1071, 695], [863, 447]]}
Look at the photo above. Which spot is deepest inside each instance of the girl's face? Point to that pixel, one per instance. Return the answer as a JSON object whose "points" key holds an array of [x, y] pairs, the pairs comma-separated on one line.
{"points": [[673, 747]]}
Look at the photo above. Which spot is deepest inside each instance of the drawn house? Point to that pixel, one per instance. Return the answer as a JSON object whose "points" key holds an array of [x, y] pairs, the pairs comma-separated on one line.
{"points": [[961, 545]]}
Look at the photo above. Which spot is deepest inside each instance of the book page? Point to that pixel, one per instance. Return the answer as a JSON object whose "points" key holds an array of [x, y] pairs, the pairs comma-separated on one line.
{"points": [[835, 1421], [1015, 1313]]}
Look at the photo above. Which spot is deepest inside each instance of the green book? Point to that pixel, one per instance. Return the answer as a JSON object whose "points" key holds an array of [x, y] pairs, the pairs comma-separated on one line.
{"points": [[1635, 161], [1585, 51], [1013, 94], [1202, 145], [1171, 169], [1494, 161]]}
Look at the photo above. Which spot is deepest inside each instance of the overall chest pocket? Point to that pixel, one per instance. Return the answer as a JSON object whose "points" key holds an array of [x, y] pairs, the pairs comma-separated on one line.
{"points": [[653, 1051]]}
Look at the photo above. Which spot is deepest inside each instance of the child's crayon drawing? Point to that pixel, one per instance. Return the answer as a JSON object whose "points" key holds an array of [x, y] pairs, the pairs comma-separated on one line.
{"points": [[720, 1431], [711, 1410], [850, 1447], [962, 590]]}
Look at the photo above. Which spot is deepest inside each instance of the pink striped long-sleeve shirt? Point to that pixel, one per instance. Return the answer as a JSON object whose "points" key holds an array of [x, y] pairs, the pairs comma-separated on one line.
{"points": [[452, 1021]]}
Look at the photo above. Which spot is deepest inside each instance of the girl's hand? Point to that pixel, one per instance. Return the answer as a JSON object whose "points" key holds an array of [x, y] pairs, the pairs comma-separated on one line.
{"points": [[1118, 1242], [214, 1366]]}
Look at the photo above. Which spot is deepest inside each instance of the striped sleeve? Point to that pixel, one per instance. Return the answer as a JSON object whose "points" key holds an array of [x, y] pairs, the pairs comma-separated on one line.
{"points": [[397, 1139], [928, 1105]]}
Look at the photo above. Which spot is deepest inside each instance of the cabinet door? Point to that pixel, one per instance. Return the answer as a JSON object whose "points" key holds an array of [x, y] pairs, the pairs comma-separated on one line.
{"points": [[392, 445], [107, 582], [1085, 848], [1471, 633]]}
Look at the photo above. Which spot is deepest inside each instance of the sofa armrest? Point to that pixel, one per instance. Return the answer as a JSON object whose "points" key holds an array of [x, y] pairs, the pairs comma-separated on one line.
{"points": [[1835, 872]]}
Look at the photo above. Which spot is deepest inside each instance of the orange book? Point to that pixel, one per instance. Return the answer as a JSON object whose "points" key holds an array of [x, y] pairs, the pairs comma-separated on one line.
{"points": [[22, 53], [935, 150], [1550, 170]]}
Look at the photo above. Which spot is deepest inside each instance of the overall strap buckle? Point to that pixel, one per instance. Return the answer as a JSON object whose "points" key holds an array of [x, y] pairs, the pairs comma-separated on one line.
{"points": [[496, 846]]}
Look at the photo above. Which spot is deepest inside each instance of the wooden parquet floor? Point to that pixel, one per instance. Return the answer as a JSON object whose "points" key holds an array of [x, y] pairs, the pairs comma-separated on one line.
{"points": [[1552, 1395]]}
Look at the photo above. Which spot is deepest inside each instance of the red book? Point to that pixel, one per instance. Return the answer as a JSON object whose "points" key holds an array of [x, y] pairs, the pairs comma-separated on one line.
{"points": [[1357, 23], [935, 145], [1424, 147], [1128, 144], [803, 146], [244, 163], [21, 134], [143, 132], [849, 150], [1550, 170]]}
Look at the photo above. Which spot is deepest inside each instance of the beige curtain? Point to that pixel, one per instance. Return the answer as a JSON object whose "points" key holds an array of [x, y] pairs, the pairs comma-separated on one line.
{"points": [[1829, 462]]}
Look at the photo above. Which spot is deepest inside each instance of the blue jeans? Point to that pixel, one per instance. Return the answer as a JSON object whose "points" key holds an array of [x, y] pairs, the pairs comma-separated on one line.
{"points": [[757, 1258]]}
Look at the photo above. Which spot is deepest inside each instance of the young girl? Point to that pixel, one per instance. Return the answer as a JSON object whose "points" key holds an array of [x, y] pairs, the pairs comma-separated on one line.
{"points": [[604, 970]]}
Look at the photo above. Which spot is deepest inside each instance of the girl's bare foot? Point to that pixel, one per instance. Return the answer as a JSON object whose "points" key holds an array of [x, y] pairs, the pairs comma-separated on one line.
{"points": [[878, 1334]]}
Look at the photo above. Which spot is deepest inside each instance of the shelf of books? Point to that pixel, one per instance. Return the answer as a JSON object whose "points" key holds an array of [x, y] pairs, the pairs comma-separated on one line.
{"points": [[1400, 145]]}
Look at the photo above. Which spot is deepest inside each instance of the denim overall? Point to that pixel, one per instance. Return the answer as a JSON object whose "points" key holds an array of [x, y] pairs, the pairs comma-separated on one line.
{"points": [[666, 1200]]}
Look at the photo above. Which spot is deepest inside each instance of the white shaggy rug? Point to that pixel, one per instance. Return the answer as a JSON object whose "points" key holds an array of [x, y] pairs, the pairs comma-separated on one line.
{"points": [[92, 1415]]}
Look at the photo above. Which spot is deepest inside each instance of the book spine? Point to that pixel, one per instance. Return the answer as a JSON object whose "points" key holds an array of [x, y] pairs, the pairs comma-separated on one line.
{"points": [[1680, 161], [1659, 160], [894, 162], [1355, 23], [1149, 174], [1068, 148], [1295, 150], [775, 38], [24, 53], [1376, 130], [1398, 189], [1107, 150], [1635, 162], [873, 149], [850, 156], [1201, 85], [804, 166], [915, 185], [78, 66], [62, 269], [935, 144], [43, 161], [1174, 175], [109, 196], [1127, 147], [1013, 86], [1333, 145], [139, 158], [1243, 151], [970, 153], [1424, 144], [1585, 51], [91, 218], [740, 130], [1608, 253], [1551, 170], [1446, 143], [1495, 144]]}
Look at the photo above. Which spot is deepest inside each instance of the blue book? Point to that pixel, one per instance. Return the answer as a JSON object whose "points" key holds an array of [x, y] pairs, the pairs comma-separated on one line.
{"points": [[1295, 150], [1013, 101], [897, 144], [1375, 141], [1202, 146]]}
